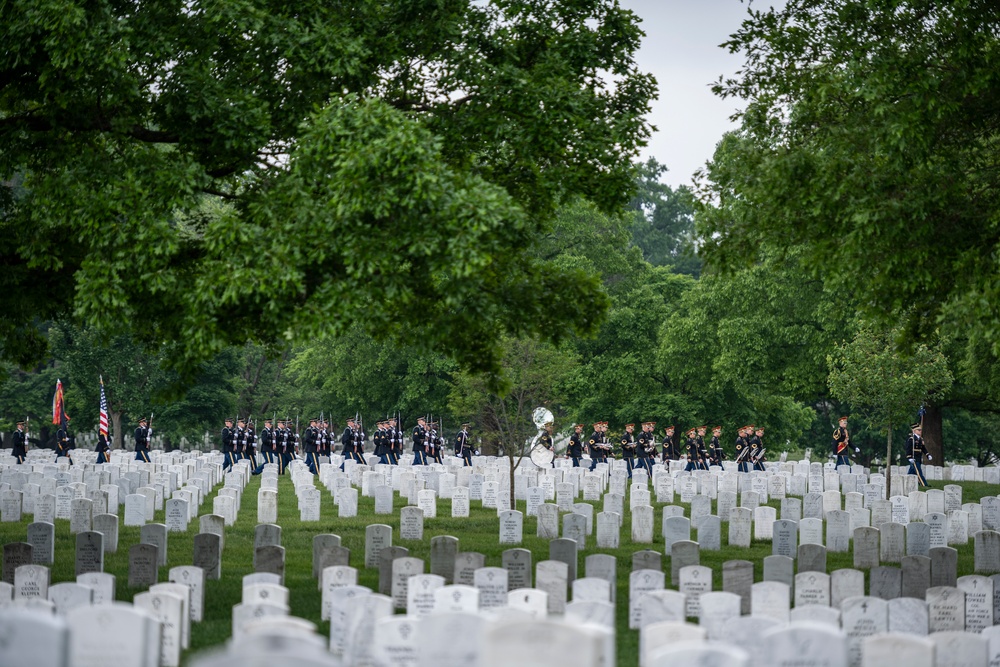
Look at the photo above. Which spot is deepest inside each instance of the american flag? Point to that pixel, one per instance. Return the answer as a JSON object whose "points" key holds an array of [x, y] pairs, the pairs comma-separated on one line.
{"points": [[59, 416], [104, 412]]}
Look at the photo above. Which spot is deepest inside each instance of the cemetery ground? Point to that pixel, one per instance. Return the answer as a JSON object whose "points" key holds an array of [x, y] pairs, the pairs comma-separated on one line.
{"points": [[477, 533]]}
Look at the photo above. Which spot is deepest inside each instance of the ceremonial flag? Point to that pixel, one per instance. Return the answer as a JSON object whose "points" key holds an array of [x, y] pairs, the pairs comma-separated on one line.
{"points": [[59, 416], [104, 413]]}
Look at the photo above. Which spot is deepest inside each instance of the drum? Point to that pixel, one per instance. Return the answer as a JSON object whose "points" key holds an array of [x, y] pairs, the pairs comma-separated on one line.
{"points": [[542, 456]]}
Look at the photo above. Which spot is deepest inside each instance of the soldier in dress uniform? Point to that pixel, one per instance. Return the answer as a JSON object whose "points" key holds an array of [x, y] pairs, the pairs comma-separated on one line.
{"points": [[463, 447], [915, 451], [283, 446], [594, 446], [646, 447], [102, 448], [545, 440], [437, 442], [310, 443], [671, 452], [267, 444], [19, 444], [250, 450], [380, 439], [691, 450], [64, 444], [742, 450], [628, 448], [419, 442], [241, 439], [141, 435], [358, 451], [575, 449], [228, 445], [757, 450], [703, 453], [395, 442], [842, 443], [717, 454]]}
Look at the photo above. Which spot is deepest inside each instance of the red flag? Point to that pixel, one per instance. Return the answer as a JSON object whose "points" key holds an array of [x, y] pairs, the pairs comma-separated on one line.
{"points": [[104, 413], [59, 415]]}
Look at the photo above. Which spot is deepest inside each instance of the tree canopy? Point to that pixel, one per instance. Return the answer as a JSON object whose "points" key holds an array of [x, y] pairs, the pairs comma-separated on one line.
{"points": [[869, 139], [220, 172]]}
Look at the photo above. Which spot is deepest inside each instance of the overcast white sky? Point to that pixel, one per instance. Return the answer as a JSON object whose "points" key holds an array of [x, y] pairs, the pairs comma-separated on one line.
{"points": [[681, 50]]}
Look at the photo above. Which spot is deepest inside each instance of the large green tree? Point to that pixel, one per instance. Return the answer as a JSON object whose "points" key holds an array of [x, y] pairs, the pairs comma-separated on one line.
{"points": [[869, 139], [383, 164], [885, 383]]}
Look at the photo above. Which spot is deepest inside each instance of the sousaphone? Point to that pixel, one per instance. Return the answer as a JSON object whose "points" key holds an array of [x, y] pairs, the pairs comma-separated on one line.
{"points": [[539, 454]]}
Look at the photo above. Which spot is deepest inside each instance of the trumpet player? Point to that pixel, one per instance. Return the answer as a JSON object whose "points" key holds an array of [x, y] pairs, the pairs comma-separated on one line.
{"points": [[646, 447]]}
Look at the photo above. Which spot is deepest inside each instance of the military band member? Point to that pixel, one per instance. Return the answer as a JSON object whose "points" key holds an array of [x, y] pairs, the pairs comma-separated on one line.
{"points": [[594, 446], [671, 451], [19, 444], [691, 450], [716, 453], [575, 449], [756, 440], [742, 449], [915, 451], [228, 445], [102, 449], [419, 442], [627, 442], [842, 443], [646, 447], [141, 435], [703, 453], [463, 447]]}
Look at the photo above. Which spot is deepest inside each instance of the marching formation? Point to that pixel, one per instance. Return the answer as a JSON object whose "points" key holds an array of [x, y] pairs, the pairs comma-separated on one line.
{"points": [[280, 442]]}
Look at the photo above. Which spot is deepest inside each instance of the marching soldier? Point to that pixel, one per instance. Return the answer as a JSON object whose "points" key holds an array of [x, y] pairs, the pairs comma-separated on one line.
{"points": [[671, 451], [250, 448], [358, 450], [102, 448], [703, 454], [693, 453], [419, 442], [575, 449], [842, 443], [267, 444], [19, 445], [462, 445], [915, 451], [380, 439], [64, 444], [646, 447], [545, 440], [718, 455], [437, 443], [594, 446], [240, 440], [757, 449], [283, 446], [141, 435], [628, 448], [228, 445], [310, 443], [395, 442], [742, 450]]}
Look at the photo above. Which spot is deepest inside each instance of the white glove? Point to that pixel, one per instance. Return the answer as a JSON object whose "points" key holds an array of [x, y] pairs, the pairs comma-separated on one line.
{"points": [[930, 458], [857, 451], [912, 462]]}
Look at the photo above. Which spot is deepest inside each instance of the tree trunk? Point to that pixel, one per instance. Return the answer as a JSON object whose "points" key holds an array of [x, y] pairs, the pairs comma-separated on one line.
{"points": [[932, 433], [513, 504], [888, 464], [116, 428]]}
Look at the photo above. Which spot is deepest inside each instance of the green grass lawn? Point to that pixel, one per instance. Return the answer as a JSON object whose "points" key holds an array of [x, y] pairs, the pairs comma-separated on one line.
{"points": [[479, 532]]}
